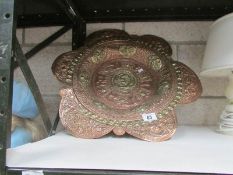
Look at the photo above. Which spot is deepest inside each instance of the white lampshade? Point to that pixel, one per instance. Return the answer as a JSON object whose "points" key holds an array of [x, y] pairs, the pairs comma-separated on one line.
{"points": [[218, 58]]}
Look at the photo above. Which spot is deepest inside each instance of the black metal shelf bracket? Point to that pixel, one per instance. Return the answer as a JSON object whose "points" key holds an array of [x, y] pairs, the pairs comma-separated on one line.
{"points": [[22, 61], [47, 41], [44, 43], [54, 125], [7, 32]]}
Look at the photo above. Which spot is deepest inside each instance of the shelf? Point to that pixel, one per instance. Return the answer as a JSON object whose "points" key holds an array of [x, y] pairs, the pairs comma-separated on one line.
{"points": [[47, 13], [192, 149]]}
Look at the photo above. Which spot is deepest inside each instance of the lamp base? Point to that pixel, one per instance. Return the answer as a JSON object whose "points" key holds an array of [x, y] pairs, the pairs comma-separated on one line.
{"points": [[226, 121], [226, 118]]}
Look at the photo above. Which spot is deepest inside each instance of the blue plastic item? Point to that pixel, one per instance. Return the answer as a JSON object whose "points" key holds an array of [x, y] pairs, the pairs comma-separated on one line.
{"points": [[23, 104], [20, 136]]}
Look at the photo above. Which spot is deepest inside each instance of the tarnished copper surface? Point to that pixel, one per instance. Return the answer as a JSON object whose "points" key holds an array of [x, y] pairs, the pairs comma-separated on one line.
{"points": [[81, 122], [101, 36], [125, 84], [64, 65], [157, 44], [74, 118], [191, 83]]}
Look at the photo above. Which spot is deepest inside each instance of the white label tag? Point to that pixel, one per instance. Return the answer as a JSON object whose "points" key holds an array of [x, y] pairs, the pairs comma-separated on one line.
{"points": [[32, 172], [149, 117]]}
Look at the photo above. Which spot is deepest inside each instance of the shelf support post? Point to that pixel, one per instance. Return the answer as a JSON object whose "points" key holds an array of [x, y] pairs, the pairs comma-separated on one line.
{"points": [[79, 24], [7, 34], [78, 34]]}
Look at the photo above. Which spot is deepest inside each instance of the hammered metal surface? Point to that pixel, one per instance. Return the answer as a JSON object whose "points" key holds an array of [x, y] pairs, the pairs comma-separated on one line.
{"points": [[73, 117], [121, 86], [120, 80], [192, 88], [157, 44], [160, 130], [63, 66], [101, 36]]}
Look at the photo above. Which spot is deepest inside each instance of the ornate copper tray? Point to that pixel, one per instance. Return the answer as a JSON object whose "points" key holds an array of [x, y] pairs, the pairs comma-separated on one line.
{"points": [[125, 84]]}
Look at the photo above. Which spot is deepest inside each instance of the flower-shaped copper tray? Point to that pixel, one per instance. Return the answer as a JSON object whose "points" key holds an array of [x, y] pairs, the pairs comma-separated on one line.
{"points": [[125, 84]]}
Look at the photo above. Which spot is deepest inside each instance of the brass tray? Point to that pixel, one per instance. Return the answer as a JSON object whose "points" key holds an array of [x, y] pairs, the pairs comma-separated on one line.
{"points": [[125, 84]]}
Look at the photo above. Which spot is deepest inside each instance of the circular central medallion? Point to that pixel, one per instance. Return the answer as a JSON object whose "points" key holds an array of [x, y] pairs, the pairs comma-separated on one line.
{"points": [[123, 84], [124, 80]]}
